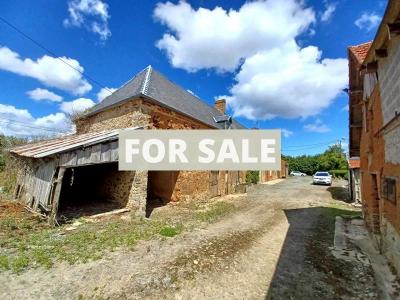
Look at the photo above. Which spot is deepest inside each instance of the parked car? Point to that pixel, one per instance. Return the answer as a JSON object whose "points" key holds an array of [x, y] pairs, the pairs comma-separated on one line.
{"points": [[297, 173], [322, 178]]}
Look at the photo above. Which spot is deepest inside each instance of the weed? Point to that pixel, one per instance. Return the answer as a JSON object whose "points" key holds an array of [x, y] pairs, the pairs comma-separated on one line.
{"points": [[4, 263], [30, 243], [217, 210], [169, 231]]}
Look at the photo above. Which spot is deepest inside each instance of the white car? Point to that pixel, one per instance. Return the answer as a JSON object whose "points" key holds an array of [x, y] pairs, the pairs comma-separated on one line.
{"points": [[322, 178], [297, 173]]}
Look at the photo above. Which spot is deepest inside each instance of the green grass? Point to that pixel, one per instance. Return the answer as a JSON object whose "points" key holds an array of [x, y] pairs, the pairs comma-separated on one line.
{"points": [[42, 248], [26, 242], [217, 210], [169, 231]]}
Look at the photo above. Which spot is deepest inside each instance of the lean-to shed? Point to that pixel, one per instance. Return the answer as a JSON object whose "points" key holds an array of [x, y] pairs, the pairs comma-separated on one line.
{"points": [[43, 165]]}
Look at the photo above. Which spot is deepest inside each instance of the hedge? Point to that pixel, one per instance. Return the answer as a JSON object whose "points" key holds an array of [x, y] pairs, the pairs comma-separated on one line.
{"points": [[344, 174]]}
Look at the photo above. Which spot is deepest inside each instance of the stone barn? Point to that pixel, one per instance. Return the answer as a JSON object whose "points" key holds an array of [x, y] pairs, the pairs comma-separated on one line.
{"points": [[81, 170], [266, 176]]}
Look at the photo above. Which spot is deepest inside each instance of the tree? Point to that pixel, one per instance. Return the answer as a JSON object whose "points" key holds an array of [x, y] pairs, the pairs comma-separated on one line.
{"points": [[333, 158]]}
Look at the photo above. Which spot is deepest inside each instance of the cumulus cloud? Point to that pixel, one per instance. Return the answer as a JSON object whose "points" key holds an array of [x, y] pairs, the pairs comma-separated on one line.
{"points": [[345, 108], [274, 75], [220, 39], [286, 132], [48, 70], [76, 106], [43, 94], [318, 126], [19, 122], [368, 21], [287, 81], [105, 92], [91, 14], [328, 13]]}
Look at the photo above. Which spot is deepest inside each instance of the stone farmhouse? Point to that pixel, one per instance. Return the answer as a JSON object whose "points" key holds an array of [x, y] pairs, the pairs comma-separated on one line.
{"points": [[375, 130], [82, 169]]}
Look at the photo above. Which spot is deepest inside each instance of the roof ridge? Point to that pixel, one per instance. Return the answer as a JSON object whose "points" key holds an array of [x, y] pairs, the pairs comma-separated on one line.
{"points": [[146, 81], [359, 45], [186, 91], [133, 78]]}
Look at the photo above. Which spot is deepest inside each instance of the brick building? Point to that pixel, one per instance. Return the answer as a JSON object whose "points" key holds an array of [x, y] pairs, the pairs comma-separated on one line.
{"points": [[376, 82], [55, 173]]}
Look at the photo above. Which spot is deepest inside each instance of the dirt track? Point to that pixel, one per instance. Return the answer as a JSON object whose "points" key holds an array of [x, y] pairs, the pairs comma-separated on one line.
{"points": [[276, 245]]}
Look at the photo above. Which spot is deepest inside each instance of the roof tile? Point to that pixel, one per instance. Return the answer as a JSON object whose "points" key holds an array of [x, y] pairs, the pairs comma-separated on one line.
{"points": [[361, 51]]}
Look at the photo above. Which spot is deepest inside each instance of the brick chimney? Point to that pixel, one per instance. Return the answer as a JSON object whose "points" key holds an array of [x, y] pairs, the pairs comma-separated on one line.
{"points": [[220, 104]]}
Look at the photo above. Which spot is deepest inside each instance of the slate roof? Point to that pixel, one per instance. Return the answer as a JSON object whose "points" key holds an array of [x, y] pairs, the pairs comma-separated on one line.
{"points": [[155, 87], [361, 51]]}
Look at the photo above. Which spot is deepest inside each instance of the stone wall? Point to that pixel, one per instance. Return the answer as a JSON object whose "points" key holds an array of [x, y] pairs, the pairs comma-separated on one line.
{"points": [[137, 112], [391, 243], [127, 115]]}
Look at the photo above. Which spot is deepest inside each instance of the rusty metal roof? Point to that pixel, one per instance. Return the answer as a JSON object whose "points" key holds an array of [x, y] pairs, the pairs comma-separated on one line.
{"points": [[66, 143]]}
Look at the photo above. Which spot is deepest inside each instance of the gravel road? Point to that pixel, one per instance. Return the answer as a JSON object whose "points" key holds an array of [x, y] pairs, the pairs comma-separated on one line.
{"points": [[276, 245]]}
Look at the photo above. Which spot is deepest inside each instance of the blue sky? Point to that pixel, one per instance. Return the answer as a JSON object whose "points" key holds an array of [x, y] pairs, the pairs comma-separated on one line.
{"points": [[280, 64]]}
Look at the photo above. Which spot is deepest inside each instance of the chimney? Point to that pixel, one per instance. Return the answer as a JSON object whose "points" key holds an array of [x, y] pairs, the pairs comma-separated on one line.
{"points": [[220, 104]]}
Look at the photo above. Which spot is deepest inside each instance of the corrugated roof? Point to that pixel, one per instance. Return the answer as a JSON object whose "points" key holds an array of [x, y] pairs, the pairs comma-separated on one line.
{"points": [[152, 85], [361, 51], [66, 143]]}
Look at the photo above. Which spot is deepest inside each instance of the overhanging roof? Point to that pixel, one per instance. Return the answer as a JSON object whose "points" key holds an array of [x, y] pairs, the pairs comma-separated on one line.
{"points": [[154, 87], [391, 15], [66, 143]]}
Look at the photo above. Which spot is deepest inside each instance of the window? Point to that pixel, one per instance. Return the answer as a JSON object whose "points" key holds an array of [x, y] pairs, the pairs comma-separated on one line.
{"points": [[389, 189]]}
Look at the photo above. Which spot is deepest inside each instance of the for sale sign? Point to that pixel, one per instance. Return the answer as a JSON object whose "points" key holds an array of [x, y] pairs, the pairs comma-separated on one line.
{"points": [[175, 150]]}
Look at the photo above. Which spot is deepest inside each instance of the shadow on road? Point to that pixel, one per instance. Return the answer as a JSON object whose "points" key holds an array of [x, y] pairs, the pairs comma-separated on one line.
{"points": [[307, 269], [339, 193]]}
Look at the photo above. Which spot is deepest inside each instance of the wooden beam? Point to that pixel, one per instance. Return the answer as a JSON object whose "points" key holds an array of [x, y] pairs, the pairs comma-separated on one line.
{"points": [[56, 196], [393, 29], [381, 53], [371, 67]]}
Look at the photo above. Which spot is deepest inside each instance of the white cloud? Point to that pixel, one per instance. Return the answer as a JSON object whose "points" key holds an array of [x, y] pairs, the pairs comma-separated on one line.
{"points": [[220, 39], [43, 94], [48, 70], [286, 133], [317, 126], [345, 108], [288, 82], [105, 92], [92, 14], [76, 106], [276, 77], [20, 122], [368, 21], [328, 13]]}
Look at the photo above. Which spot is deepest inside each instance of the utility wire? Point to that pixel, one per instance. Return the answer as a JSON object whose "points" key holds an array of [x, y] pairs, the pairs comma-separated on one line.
{"points": [[317, 144], [53, 53], [306, 147]]}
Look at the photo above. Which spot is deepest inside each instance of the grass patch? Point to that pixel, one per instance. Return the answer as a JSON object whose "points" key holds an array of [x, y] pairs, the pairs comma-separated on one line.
{"points": [[217, 210], [42, 248], [28, 242], [169, 231]]}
